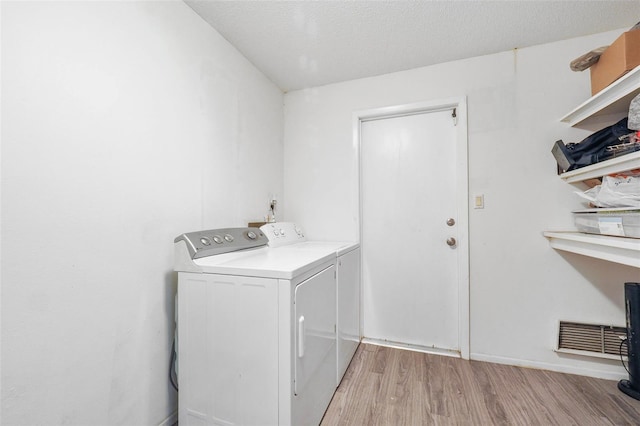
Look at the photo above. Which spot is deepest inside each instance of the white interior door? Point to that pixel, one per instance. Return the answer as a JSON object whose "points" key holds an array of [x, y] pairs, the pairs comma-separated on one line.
{"points": [[409, 189]]}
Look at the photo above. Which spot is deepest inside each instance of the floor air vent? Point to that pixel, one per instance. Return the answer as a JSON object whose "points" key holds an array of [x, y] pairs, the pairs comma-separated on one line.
{"points": [[597, 340]]}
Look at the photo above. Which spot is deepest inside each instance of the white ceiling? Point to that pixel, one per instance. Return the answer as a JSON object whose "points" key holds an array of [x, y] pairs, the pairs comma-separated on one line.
{"points": [[300, 44]]}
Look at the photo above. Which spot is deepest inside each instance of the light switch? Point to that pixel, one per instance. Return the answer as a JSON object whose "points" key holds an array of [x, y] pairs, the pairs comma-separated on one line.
{"points": [[478, 201]]}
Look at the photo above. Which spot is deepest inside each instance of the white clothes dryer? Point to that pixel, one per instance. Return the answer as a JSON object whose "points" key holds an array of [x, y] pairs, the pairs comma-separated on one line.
{"points": [[257, 330], [289, 235]]}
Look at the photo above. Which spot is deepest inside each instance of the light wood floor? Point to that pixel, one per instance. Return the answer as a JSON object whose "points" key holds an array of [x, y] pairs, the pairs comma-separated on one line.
{"points": [[385, 386]]}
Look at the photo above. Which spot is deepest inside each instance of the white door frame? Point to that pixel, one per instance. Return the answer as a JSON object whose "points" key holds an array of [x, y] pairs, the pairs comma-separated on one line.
{"points": [[462, 187]]}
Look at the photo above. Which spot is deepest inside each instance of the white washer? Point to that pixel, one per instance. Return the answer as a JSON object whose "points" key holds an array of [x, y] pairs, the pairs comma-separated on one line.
{"points": [[256, 328], [288, 235]]}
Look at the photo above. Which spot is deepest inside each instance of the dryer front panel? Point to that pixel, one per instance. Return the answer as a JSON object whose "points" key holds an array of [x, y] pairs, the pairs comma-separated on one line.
{"points": [[315, 336]]}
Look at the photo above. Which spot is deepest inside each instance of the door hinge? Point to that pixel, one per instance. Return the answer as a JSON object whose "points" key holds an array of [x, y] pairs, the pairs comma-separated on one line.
{"points": [[455, 117]]}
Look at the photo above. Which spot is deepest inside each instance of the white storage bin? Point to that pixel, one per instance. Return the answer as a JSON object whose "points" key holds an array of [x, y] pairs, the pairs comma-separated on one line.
{"points": [[621, 222]]}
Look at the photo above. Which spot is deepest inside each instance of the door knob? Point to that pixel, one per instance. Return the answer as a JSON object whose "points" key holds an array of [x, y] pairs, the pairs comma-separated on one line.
{"points": [[451, 221], [451, 241]]}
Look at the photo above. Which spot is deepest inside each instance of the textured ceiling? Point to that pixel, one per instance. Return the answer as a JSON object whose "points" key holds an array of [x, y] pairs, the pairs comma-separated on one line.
{"points": [[300, 44]]}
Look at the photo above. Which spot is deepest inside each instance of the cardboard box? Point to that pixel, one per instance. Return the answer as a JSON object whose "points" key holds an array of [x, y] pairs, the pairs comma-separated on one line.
{"points": [[619, 58]]}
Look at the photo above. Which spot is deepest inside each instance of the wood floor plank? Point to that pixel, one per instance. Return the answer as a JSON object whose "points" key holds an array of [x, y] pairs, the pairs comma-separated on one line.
{"points": [[473, 393], [524, 407], [582, 390], [455, 391], [434, 388], [497, 413], [386, 386]]}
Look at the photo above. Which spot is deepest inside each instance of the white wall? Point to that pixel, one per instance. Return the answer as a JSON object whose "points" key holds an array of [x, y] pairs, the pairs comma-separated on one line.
{"points": [[124, 124], [520, 287]]}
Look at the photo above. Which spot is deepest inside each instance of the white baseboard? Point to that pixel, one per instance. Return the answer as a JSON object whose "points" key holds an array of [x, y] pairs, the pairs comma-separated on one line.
{"points": [[171, 420], [415, 348], [581, 371]]}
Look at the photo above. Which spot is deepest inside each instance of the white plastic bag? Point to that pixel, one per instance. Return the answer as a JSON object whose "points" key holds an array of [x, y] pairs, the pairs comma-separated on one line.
{"points": [[634, 114], [622, 190]]}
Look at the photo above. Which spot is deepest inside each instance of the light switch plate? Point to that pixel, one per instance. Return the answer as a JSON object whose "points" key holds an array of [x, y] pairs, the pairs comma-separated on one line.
{"points": [[478, 201]]}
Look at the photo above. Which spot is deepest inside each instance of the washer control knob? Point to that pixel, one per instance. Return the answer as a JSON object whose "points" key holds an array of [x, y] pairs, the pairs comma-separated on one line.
{"points": [[282, 232], [252, 235], [276, 232], [205, 241], [228, 238], [218, 239]]}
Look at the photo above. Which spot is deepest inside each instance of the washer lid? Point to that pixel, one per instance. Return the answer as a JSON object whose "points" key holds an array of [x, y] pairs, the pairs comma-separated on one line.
{"points": [[337, 247], [279, 263]]}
